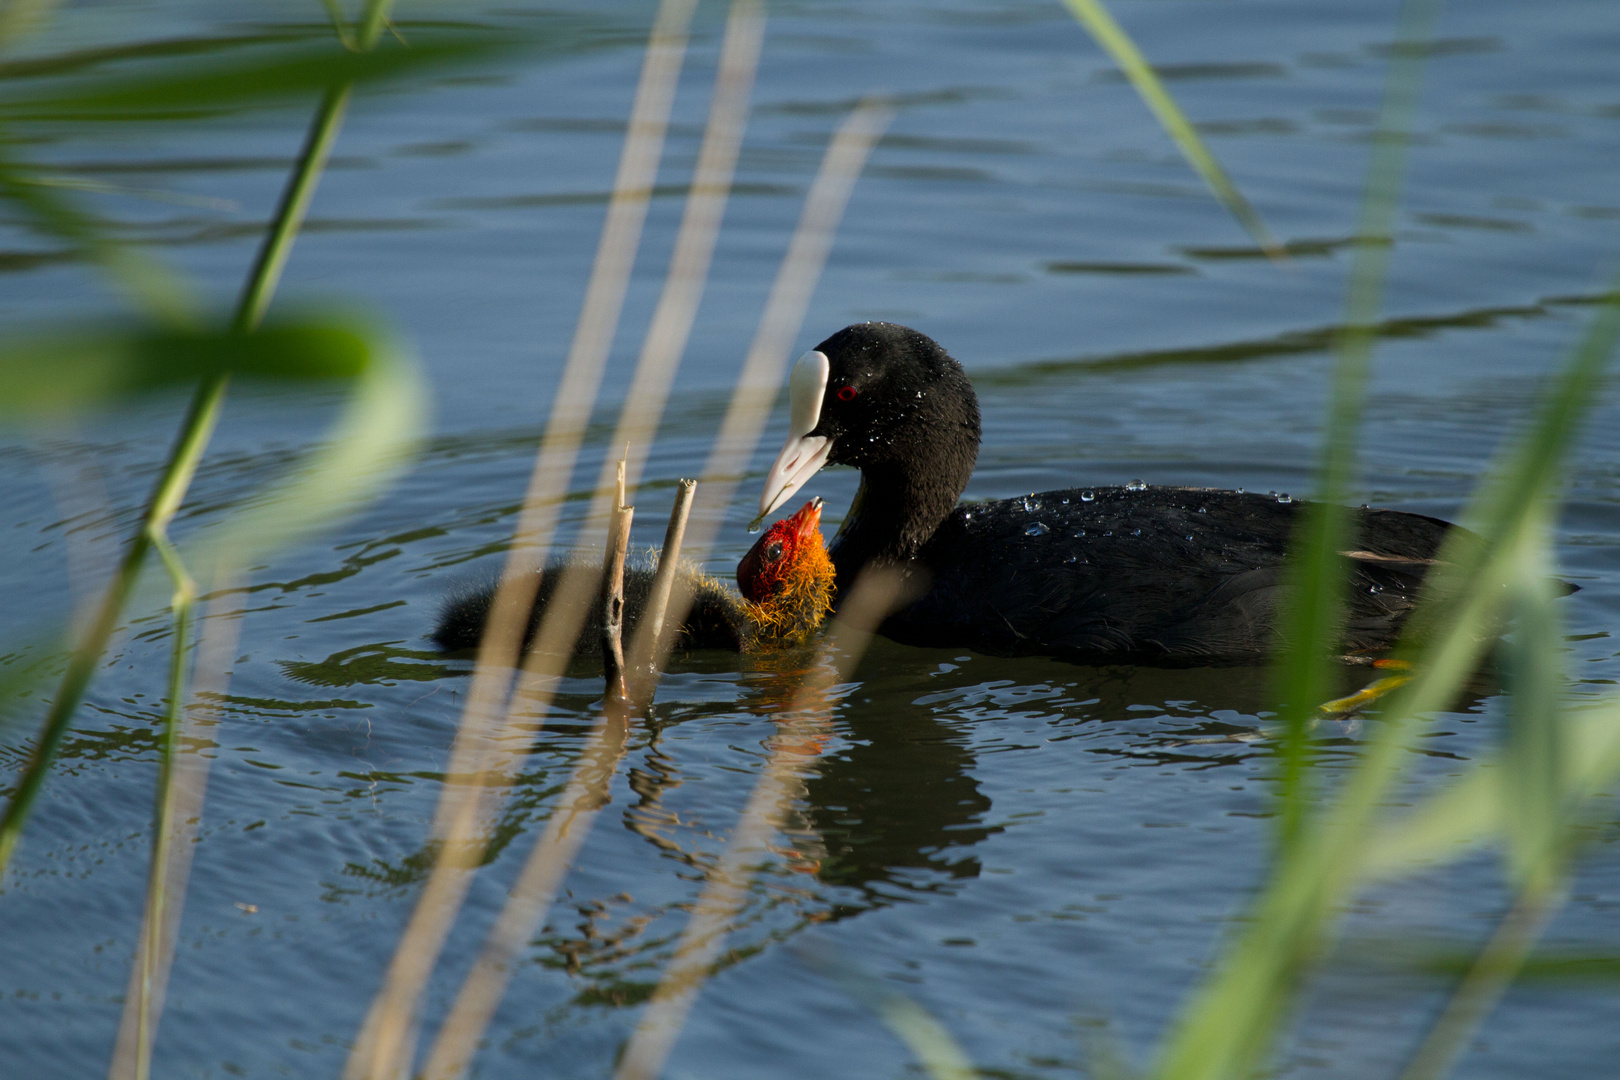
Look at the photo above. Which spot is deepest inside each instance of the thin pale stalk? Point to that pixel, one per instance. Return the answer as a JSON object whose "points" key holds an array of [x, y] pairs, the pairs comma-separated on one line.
{"points": [[172, 484], [528, 902], [940, 1055], [1317, 572], [688, 272], [383, 1048], [800, 736], [554, 850], [615, 698], [1487, 980], [766, 363], [650, 634], [1118, 44], [150, 949], [180, 799]]}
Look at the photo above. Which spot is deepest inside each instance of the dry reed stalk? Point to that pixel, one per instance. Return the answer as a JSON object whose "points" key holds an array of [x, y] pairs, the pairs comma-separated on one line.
{"points": [[800, 736], [644, 677], [672, 320], [557, 847], [551, 856], [766, 364], [615, 699], [666, 337], [385, 1044], [180, 817]]}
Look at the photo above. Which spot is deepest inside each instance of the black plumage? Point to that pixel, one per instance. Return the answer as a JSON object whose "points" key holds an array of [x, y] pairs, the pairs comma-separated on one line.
{"points": [[1136, 573], [718, 619]]}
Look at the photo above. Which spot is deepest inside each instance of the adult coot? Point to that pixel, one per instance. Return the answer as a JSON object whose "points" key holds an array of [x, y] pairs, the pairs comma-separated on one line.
{"points": [[1133, 573], [786, 581]]}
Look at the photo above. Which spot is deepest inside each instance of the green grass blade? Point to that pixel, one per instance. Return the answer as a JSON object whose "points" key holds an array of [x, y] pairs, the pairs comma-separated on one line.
{"points": [[274, 74], [155, 288], [50, 377], [195, 432], [371, 442], [1472, 811], [941, 1056], [1118, 44], [157, 899], [1535, 774], [1316, 572], [1229, 1027]]}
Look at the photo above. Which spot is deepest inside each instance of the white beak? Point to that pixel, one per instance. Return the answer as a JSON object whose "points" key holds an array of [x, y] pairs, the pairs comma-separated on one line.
{"points": [[803, 453]]}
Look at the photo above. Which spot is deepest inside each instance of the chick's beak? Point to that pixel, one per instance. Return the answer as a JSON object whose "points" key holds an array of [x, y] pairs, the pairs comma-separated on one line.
{"points": [[803, 454], [806, 520]]}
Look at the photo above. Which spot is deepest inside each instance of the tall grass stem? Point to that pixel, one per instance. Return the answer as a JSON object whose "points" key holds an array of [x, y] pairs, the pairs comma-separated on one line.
{"points": [[1317, 571], [801, 735], [385, 1045]]}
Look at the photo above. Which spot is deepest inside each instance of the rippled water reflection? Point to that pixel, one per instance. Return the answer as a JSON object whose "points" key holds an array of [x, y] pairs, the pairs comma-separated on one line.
{"points": [[1034, 850]]}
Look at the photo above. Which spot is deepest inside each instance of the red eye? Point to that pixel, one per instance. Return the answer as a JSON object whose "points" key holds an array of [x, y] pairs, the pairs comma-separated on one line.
{"points": [[846, 393]]}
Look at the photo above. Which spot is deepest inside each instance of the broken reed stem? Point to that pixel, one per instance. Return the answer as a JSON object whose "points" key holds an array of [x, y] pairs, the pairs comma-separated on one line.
{"points": [[766, 364], [385, 1044], [615, 700], [650, 632], [800, 736], [556, 849]]}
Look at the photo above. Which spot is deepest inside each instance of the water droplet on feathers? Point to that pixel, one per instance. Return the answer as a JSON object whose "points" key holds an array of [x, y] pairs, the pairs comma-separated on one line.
{"points": [[1030, 504], [1136, 485], [1088, 496], [1036, 528], [1284, 497]]}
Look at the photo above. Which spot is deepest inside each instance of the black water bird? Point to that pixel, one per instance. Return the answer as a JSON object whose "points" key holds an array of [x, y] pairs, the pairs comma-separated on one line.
{"points": [[1112, 574]]}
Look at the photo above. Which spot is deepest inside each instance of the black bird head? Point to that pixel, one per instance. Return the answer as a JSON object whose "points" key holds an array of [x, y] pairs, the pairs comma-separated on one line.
{"points": [[889, 401]]}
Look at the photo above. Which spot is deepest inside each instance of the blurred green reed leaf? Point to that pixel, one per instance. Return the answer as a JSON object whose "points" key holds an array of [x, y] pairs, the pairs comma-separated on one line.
{"points": [[148, 281], [1229, 1027], [55, 375], [1472, 811], [1535, 780], [207, 85], [372, 441], [1557, 967], [941, 1056], [1116, 43]]}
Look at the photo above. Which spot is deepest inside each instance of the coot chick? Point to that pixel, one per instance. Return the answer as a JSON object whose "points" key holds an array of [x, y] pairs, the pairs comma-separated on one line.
{"points": [[1108, 574], [787, 589]]}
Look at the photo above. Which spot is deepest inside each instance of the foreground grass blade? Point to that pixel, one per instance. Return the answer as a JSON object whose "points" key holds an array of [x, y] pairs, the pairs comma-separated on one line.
{"points": [[1228, 1029], [1471, 812], [276, 74], [801, 733], [385, 1045], [154, 288], [1317, 572], [1117, 44], [175, 479], [941, 1056]]}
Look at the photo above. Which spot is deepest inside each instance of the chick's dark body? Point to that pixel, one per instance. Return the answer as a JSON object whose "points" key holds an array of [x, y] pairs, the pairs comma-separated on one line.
{"points": [[1158, 575]]}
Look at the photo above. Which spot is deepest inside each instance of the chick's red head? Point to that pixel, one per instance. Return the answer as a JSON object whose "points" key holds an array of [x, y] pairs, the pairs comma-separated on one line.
{"points": [[789, 550]]}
